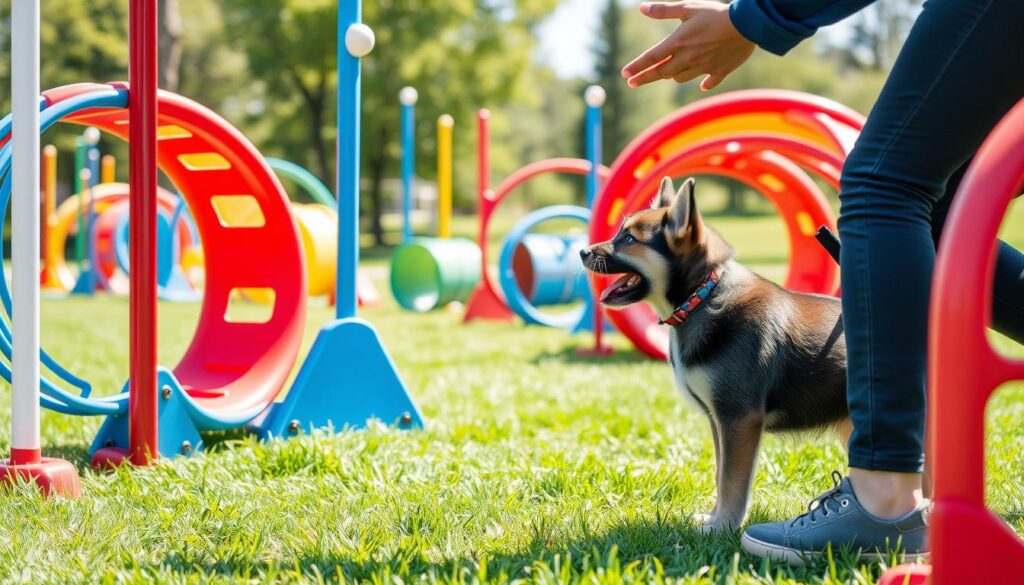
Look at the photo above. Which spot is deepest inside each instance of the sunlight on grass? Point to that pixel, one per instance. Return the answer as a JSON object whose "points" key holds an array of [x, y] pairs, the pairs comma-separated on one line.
{"points": [[535, 466]]}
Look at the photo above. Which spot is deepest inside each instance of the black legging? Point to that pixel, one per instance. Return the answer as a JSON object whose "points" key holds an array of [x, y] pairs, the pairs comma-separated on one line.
{"points": [[961, 70]]}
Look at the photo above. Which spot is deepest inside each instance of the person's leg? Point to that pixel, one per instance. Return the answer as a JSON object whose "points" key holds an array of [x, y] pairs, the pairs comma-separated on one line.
{"points": [[961, 69]]}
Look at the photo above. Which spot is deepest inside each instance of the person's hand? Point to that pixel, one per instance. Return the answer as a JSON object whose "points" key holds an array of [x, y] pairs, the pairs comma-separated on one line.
{"points": [[705, 43]]}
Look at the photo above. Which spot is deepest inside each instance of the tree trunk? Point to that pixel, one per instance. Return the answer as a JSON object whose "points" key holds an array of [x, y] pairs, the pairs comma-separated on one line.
{"points": [[736, 197], [169, 44], [315, 104], [316, 120], [378, 162]]}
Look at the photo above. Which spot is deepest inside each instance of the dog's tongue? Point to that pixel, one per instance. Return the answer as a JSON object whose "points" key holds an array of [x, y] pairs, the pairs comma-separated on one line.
{"points": [[619, 284]]}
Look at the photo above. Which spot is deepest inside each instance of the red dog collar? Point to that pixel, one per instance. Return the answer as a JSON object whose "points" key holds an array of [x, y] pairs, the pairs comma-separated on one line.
{"points": [[691, 304]]}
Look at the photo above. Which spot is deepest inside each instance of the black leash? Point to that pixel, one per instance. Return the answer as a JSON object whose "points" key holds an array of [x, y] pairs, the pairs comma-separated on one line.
{"points": [[829, 241]]}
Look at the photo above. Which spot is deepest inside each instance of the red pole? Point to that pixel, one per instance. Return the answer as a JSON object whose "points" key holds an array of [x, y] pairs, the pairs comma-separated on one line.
{"points": [[142, 72]]}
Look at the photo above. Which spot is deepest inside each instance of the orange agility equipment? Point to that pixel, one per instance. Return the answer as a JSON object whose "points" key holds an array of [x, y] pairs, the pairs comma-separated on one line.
{"points": [[767, 139]]}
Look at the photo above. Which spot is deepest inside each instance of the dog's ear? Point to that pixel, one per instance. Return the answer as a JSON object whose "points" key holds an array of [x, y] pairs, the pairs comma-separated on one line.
{"points": [[685, 223], [666, 193]]}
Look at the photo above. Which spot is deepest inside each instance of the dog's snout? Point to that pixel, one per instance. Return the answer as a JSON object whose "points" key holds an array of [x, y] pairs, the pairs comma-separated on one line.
{"points": [[586, 253]]}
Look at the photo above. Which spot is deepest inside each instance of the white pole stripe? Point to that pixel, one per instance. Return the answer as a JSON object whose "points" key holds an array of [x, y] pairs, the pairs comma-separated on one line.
{"points": [[25, 223]]}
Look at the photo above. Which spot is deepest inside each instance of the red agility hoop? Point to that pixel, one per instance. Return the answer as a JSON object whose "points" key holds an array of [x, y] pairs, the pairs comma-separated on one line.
{"points": [[969, 544]]}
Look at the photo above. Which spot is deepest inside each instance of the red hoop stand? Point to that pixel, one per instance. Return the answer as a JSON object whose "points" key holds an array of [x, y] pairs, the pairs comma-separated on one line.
{"points": [[969, 544]]}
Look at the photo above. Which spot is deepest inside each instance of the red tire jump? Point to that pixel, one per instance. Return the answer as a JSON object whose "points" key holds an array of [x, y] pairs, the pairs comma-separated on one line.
{"points": [[486, 298], [231, 368]]}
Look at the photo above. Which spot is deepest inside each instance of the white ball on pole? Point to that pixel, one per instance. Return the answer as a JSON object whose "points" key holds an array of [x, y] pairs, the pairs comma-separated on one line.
{"points": [[92, 136], [408, 96], [595, 96], [359, 40]]}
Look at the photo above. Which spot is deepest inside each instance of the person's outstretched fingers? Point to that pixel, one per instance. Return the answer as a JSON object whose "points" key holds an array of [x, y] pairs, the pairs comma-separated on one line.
{"points": [[666, 10]]}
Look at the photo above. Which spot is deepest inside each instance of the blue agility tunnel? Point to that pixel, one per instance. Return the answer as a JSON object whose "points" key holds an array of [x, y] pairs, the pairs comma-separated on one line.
{"points": [[549, 268]]}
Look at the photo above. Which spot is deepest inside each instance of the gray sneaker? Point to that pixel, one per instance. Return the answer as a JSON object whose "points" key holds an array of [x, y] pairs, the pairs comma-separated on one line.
{"points": [[837, 517]]}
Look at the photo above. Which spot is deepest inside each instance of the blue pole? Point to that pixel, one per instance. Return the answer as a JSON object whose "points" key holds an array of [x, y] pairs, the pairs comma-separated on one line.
{"points": [[593, 124], [408, 163], [349, 88]]}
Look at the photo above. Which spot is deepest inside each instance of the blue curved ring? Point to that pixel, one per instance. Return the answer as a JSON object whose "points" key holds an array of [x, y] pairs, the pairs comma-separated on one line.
{"points": [[515, 298]]}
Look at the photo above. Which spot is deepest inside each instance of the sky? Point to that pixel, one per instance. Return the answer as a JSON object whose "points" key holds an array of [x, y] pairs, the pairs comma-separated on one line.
{"points": [[567, 36]]}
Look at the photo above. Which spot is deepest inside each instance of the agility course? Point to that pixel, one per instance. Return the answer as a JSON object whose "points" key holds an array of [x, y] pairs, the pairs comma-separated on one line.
{"points": [[237, 204], [536, 455]]}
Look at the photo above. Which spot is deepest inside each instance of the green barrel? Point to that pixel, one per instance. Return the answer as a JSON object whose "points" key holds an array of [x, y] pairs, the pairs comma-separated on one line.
{"points": [[427, 273]]}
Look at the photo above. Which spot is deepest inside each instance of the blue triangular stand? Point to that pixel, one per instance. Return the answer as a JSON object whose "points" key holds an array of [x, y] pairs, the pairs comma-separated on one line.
{"points": [[347, 379], [178, 434], [86, 283], [177, 288]]}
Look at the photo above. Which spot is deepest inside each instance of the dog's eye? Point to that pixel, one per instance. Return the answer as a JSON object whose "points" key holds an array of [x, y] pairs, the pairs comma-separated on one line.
{"points": [[628, 239]]}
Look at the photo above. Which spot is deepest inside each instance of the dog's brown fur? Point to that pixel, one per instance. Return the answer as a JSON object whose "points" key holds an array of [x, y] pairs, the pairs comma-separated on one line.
{"points": [[753, 356]]}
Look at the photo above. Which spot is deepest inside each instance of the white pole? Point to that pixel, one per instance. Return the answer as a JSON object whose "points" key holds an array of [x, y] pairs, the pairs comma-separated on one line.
{"points": [[25, 230]]}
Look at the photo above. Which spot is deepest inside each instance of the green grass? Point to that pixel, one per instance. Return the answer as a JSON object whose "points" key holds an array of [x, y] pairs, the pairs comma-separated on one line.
{"points": [[535, 466]]}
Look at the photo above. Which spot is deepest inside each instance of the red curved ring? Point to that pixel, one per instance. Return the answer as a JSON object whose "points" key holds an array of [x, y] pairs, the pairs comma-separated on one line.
{"points": [[492, 198], [229, 367]]}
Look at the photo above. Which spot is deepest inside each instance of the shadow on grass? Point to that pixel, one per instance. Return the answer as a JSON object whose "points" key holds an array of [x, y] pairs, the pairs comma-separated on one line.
{"points": [[572, 355], [642, 550]]}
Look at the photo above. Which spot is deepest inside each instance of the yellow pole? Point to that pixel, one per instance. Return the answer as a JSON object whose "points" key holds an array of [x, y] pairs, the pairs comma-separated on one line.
{"points": [[444, 176], [107, 166], [50, 278]]}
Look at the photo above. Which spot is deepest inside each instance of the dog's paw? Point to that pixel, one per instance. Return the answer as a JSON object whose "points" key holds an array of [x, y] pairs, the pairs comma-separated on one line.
{"points": [[711, 523]]}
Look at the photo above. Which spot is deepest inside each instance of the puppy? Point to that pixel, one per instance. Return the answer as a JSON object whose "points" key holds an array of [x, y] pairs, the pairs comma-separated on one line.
{"points": [[752, 355]]}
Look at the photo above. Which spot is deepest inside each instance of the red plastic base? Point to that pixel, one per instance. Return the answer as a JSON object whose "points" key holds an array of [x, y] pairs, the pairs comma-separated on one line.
{"points": [[366, 292], [108, 458], [906, 575], [597, 351], [485, 304], [54, 477]]}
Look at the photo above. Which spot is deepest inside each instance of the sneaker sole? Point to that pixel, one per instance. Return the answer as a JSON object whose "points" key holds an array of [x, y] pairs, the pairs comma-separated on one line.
{"points": [[797, 557]]}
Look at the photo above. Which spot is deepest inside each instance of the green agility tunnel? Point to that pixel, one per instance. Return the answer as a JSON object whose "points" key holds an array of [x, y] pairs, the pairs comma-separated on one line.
{"points": [[427, 273]]}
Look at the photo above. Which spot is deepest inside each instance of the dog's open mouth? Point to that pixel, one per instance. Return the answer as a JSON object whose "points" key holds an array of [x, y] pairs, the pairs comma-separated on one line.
{"points": [[628, 288]]}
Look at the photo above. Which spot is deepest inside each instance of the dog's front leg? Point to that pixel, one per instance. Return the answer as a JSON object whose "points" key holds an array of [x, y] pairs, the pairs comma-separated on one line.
{"points": [[706, 520], [739, 439]]}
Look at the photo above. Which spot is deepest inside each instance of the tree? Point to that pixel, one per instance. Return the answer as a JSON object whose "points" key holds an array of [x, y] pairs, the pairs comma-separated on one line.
{"points": [[169, 49], [609, 59], [290, 48], [460, 54]]}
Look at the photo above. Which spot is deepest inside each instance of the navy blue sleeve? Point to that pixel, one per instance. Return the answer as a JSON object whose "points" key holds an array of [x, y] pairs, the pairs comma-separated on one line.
{"points": [[779, 25]]}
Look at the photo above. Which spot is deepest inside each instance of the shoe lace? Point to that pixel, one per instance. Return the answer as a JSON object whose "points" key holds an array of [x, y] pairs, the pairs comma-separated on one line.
{"points": [[820, 505]]}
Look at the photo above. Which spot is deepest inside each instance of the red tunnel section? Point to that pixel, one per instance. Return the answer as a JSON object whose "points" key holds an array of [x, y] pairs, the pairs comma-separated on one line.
{"points": [[249, 241]]}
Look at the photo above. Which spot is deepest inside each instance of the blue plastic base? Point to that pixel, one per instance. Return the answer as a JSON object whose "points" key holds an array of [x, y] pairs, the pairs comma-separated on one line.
{"points": [[177, 288], [347, 379], [86, 283], [178, 434]]}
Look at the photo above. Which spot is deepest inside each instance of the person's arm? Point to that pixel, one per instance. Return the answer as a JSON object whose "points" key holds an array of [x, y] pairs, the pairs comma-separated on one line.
{"points": [[713, 39], [779, 25]]}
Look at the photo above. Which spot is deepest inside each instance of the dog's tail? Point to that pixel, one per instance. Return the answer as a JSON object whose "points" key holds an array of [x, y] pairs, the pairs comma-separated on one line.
{"points": [[829, 241]]}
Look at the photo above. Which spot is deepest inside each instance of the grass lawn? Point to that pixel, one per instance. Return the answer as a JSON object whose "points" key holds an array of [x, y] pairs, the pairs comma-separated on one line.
{"points": [[535, 466]]}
